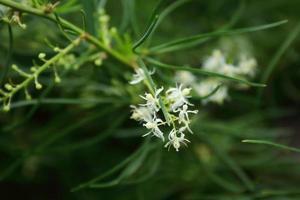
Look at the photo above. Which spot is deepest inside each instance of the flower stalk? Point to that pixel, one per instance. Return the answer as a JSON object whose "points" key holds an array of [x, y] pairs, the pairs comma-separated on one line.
{"points": [[11, 90], [68, 25]]}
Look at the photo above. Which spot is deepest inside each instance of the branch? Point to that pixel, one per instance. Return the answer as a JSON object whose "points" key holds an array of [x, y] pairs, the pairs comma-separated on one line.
{"points": [[68, 25], [7, 96]]}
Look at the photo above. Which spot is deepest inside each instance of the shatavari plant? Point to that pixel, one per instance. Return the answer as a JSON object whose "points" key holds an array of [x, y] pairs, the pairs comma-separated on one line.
{"points": [[72, 81]]}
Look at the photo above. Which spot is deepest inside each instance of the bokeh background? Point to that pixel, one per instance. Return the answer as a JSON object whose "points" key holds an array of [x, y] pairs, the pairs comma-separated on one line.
{"points": [[47, 148]]}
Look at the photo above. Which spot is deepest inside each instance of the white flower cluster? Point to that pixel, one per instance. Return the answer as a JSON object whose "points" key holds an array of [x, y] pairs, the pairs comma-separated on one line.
{"points": [[245, 67], [175, 100]]}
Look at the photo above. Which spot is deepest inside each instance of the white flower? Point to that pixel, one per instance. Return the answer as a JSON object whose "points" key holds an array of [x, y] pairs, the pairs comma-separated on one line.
{"points": [[152, 102], [185, 77], [176, 141], [247, 66], [178, 96], [147, 113], [215, 61], [228, 70], [153, 125], [206, 87], [138, 76], [220, 96], [141, 113], [183, 116]]}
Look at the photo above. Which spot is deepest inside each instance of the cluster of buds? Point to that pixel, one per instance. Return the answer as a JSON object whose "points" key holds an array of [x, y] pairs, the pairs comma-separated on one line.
{"points": [[104, 27], [10, 89], [110, 36], [14, 16], [244, 67], [176, 104]]}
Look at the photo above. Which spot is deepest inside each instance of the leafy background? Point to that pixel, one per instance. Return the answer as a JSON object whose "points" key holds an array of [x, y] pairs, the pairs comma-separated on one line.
{"points": [[80, 129]]}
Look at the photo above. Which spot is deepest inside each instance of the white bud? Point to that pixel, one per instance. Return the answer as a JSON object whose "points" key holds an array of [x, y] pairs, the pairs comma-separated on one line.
{"points": [[98, 62], [6, 108], [56, 49], [8, 86], [57, 79], [42, 56]]}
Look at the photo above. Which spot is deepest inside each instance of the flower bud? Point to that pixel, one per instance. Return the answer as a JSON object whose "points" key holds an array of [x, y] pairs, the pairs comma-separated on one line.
{"points": [[8, 86], [42, 56]]}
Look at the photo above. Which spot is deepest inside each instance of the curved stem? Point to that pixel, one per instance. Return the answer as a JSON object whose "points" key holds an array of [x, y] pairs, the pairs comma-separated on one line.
{"points": [[45, 66], [9, 54], [68, 25]]}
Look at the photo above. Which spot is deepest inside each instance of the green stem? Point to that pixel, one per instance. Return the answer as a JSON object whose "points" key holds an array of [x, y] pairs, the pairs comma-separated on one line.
{"points": [[272, 144], [9, 54], [66, 24], [151, 86], [42, 68]]}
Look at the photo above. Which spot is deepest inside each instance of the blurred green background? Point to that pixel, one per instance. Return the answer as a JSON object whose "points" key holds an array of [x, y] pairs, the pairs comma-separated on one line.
{"points": [[59, 141]]}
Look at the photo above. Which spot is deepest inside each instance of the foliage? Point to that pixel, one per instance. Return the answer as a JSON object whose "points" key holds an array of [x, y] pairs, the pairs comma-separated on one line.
{"points": [[71, 72]]}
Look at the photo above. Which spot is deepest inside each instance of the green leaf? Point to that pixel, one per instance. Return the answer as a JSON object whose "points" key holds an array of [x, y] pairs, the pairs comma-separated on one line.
{"points": [[227, 160], [210, 94], [129, 17], [146, 34], [183, 46], [153, 167], [9, 54], [65, 101], [274, 61], [165, 13], [70, 129], [11, 168], [89, 9], [202, 72], [152, 24], [95, 140], [68, 7], [130, 169], [196, 38], [114, 169], [281, 146]]}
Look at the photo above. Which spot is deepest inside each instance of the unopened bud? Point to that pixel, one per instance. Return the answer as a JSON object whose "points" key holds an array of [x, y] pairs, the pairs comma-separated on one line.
{"points": [[8, 86], [42, 56]]}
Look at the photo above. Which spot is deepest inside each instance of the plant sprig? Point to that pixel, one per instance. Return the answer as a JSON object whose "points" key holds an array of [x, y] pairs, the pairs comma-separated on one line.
{"points": [[195, 38], [281, 146], [11, 90], [69, 26]]}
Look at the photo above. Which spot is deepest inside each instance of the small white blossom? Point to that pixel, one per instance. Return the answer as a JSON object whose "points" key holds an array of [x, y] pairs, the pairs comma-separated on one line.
{"points": [[215, 61], [176, 141], [228, 70], [152, 102], [178, 96], [206, 87], [247, 66], [220, 96], [141, 113], [183, 116], [185, 77], [138, 76], [149, 112], [153, 125]]}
